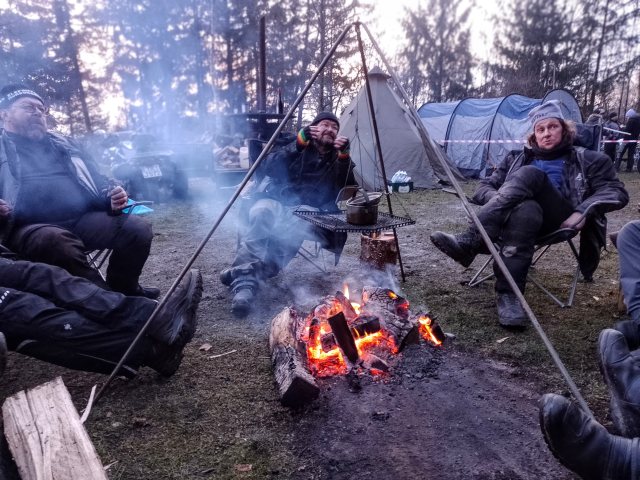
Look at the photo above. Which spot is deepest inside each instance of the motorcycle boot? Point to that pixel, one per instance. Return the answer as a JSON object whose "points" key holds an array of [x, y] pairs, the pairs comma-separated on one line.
{"points": [[621, 372], [228, 275], [462, 247], [631, 331], [583, 445], [510, 311], [176, 322], [244, 289]]}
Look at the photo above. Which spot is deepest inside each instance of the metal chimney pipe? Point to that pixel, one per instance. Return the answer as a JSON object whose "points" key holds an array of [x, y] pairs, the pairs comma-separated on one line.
{"points": [[262, 70]]}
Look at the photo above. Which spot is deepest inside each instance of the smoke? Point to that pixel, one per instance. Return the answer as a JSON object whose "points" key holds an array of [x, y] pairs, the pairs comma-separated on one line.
{"points": [[307, 292]]}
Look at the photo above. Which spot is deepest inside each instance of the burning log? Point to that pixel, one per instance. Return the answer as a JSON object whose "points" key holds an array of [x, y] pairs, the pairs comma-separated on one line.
{"points": [[378, 250], [346, 306], [343, 337], [430, 329], [393, 312], [296, 384], [332, 304], [362, 326], [373, 362]]}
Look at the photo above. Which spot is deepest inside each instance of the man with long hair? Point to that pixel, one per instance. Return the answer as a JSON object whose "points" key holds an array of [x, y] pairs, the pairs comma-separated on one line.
{"points": [[551, 184]]}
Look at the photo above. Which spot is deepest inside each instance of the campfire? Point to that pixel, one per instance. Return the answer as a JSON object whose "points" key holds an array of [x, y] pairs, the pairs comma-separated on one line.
{"points": [[341, 337]]}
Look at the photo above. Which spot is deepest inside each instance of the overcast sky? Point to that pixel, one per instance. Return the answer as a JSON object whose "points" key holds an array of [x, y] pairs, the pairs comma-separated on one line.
{"points": [[388, 31]]}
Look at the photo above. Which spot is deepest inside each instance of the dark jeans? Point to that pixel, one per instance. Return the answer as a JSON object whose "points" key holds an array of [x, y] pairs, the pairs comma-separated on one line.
{"points": [[630, 148], [47, 313], [272, 236], [628, 244], [610, 150], [526, 207], [66, 245]]}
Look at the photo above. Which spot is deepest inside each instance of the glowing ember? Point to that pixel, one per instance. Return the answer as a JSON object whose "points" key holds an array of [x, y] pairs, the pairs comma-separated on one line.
{"points": [[426, 332]]}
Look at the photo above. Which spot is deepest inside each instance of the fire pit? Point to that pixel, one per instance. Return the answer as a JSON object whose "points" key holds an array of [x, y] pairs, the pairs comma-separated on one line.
{"points": [[340, 337]]}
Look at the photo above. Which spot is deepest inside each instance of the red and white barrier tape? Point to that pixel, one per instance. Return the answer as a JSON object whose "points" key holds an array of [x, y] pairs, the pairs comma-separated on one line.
{"points": [[523, 141], [481, 141]]}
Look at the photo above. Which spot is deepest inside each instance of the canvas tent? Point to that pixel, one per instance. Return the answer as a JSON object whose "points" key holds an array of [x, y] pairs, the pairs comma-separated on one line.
{"points": [[401, 143], [477, 133]]}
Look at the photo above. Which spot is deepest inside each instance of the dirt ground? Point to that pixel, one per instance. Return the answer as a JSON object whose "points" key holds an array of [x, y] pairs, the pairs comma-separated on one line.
{"points": [[467, 410]]}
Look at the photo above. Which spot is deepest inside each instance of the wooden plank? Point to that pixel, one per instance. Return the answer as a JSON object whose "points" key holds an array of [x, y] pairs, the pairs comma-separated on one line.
{"points": [[46, 438]]}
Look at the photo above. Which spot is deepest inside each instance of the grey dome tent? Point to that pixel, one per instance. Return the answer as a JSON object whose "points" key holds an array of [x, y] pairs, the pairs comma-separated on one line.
{"points": [[477, 133], [402, 145]]}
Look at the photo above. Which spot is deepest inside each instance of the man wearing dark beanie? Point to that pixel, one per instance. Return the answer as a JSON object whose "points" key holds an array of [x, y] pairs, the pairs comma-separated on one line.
{"points": [[310, 171], [55, 205]]}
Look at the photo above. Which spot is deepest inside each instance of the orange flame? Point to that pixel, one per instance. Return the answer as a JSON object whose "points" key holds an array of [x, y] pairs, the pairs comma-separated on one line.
{"points": [[425, 330], [326, 363], [356, 306]]}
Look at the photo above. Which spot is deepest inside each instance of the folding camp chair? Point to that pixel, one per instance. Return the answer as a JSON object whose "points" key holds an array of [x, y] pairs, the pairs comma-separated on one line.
{"points": [[542, 245], [315, 253]]}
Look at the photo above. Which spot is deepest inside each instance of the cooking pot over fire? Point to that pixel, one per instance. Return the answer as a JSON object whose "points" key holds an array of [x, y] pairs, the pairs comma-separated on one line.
{"points": [[362, 208]]}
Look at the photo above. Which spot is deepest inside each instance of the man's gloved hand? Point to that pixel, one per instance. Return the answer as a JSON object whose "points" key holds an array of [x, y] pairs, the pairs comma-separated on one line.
{"points": [[576, 221], [304, 138]]}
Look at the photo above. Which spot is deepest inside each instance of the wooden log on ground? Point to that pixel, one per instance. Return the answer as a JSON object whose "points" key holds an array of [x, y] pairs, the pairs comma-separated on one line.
{"points": [[378, 250], [289, 358], [46, 438]]}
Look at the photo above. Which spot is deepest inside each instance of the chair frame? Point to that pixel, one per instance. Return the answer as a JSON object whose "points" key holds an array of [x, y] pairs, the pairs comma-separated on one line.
{"points": [[544, 243], [563, 235], [315, 255]]}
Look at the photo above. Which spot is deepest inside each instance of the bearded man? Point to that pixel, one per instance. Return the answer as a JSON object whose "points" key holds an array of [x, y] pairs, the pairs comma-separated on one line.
{"points": [[309, 171], [55, 204], [552, 184]]}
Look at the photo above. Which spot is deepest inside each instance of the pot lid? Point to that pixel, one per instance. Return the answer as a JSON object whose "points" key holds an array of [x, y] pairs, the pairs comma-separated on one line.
{"points": [[364, 199]]}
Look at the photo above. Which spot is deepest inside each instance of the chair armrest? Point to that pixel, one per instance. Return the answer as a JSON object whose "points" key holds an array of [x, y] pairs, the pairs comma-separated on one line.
{"points": [[600, 203], [557, 236]]}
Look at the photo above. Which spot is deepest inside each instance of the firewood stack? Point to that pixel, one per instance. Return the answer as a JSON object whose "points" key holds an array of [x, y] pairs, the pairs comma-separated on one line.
{"points": [[231, 157]]}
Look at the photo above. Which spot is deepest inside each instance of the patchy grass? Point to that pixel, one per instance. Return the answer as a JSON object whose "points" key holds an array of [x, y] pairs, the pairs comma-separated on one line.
{"points": [[220, 417]]}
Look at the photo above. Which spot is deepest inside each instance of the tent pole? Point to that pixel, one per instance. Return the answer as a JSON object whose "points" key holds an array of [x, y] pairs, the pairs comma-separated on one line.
{"points": [[232, 200], [489, 244], [378, 146]]}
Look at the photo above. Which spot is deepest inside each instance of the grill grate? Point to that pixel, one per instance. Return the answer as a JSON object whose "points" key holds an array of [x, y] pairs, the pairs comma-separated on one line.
{"points": [[337, 222]]}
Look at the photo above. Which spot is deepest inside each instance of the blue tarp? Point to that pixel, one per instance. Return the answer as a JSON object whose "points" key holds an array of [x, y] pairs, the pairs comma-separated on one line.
{"points": [[477, 133]]}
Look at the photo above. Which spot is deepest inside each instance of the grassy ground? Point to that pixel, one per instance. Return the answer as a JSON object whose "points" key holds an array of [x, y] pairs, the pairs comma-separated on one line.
{"points": [[470, 312], [220, 417]]}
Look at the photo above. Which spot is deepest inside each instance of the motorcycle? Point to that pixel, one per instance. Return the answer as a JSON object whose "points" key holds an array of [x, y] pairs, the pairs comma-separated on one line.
{"points": [[147, 172]]}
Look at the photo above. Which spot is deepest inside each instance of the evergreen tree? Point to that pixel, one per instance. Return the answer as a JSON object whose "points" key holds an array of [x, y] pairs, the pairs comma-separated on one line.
{"points": [[436, 60], [533, 49]]}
